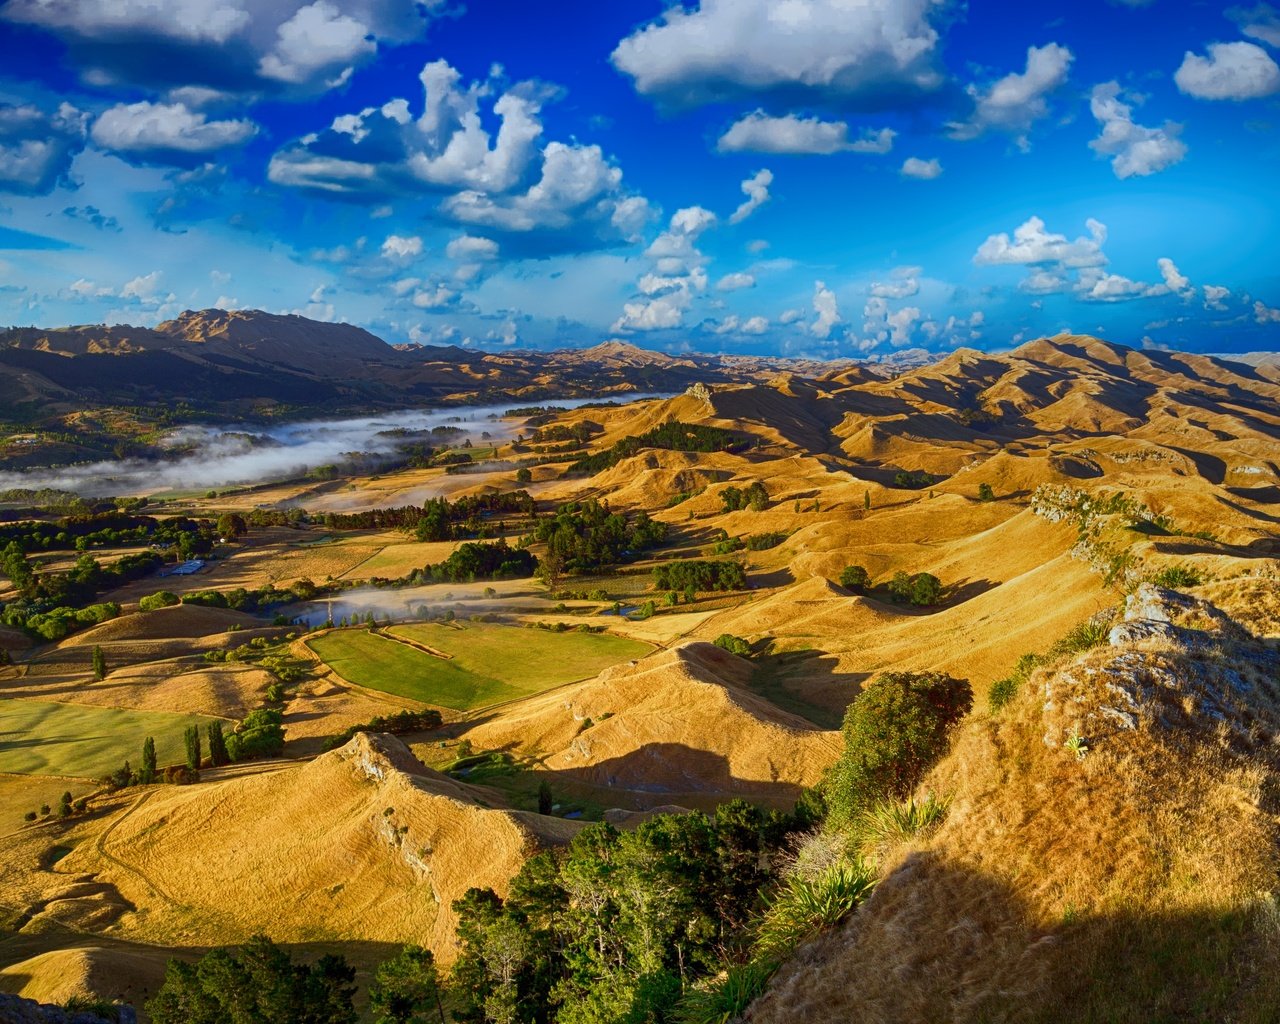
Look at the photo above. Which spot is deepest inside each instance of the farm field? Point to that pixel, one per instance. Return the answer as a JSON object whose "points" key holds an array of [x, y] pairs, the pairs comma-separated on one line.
{"points": [[490, 663], [48, 738]]}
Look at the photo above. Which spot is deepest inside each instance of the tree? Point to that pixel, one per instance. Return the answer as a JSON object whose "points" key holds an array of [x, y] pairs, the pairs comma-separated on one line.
{"points": [[257, 984], [160, 599], [922, 589], [545, 800], [523, 475], [733, 644], [406, 988], [147, 773], [192, 738], [855, 577], [99, 664], [218, 755], [231, 525], [985, 493], [551, 570], [13, 563], [866, 500], [261, 734], [894, 731]]}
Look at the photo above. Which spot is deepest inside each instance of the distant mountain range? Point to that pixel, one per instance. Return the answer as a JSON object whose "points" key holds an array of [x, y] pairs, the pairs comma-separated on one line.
{"points": [[240, 358]]}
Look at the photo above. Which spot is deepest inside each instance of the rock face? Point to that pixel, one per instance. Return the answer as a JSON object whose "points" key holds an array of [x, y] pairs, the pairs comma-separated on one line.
{"points": [[1174, 663], [16, 1010]]}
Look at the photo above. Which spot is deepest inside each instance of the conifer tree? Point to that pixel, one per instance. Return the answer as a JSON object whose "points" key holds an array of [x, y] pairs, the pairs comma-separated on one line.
{"points": [[147, 774], [99, 664], [193, 747]]}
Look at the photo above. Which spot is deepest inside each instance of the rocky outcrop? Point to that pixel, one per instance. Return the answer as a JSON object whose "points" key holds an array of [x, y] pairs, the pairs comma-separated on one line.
{"points": [[1175, 664]]}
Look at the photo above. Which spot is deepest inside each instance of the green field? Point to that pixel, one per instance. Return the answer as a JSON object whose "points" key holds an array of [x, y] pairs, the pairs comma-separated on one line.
{"points": [[45, 738], [490, 663]]}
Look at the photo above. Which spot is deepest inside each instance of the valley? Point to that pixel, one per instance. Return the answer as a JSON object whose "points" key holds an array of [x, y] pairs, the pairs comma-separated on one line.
{"points": [[619, 612]]}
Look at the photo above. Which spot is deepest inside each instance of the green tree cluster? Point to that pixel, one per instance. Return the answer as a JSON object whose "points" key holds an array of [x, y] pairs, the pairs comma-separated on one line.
{"points": [[588, 536], [699, 576], [755, 497]]}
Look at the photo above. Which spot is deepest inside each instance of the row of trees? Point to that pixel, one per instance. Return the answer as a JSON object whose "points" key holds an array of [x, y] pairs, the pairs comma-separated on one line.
{"points": [[921, 589]]}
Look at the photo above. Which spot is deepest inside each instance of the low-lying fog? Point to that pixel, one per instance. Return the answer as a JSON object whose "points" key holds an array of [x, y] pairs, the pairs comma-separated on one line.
{"points": [[238, 454], [400, 604]]}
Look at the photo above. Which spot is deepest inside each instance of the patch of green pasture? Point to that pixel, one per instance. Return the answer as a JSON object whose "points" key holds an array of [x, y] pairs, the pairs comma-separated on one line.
{"points": [[81, 741]]}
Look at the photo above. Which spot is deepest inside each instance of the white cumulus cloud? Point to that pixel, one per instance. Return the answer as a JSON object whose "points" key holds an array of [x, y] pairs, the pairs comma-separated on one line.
{"points": [[166, 130], [870, 50], [1015, 102], [759, 132], [1231, 71], [925, 170], [1135, 150]]}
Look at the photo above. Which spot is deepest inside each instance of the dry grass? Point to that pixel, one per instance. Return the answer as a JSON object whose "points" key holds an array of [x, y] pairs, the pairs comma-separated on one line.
{"points": [[1124, 886], [363, 843]]}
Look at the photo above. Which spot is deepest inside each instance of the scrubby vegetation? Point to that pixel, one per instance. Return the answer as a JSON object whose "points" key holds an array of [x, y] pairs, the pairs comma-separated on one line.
{"points": [[754, 497], [672, 435]]}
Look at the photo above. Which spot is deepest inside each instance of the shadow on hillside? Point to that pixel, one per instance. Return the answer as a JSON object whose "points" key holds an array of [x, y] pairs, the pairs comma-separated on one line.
{"points": [[1251, 513], [966, 590], [939, 942], [665, 773], [807, 684]]}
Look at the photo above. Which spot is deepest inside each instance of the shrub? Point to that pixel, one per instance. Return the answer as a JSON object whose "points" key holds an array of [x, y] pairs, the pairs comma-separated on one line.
{"points": [[1083, 637], [894, 731], [1002, 691], [160, 599], [261, 734], [855, 577], [733, 644], [181, 775], [914, 480], [985, 493]]}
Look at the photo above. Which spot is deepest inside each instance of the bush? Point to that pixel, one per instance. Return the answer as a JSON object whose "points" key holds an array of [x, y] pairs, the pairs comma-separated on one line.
{"points": [[734, 645], [160, 599], [894, 731], [855, 577], [725, 997], [914, 480], [985, 493], [181, 775], [1081, 638]]}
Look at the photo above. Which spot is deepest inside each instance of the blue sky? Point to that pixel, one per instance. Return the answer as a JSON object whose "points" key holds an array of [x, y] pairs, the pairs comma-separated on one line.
{"points": [[808, 177]]}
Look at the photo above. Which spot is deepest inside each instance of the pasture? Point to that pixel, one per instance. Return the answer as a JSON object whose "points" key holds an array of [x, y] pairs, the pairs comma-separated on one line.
{"points": [[81, 741], [487, 663]]}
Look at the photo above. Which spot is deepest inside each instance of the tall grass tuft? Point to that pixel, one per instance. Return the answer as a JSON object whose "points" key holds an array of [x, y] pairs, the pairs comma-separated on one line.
{"points": [[1081, 638], [726, 996], [803, 907], [891, 821]]}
